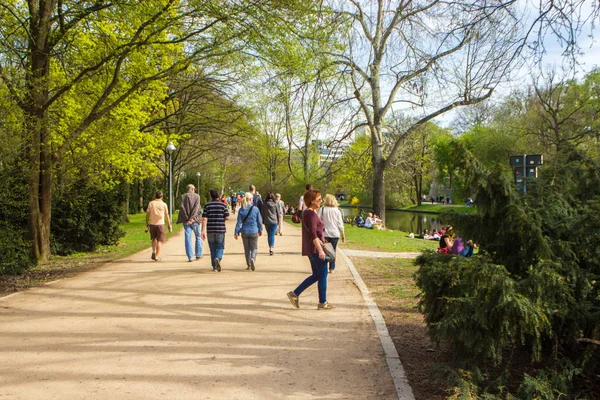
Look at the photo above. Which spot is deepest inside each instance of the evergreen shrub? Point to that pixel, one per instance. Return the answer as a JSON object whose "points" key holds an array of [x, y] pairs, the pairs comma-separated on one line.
{"points": [[533, 289]]}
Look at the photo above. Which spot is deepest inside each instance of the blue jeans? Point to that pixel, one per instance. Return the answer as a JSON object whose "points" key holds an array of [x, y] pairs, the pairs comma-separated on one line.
{"points": [[319, 274], [334, 242], [271, 231], [190, 250], [216, 243]]}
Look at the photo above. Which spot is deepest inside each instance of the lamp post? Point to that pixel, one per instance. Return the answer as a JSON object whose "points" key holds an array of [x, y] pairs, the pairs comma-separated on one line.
{"points": [[171, 148], [198, 175]]}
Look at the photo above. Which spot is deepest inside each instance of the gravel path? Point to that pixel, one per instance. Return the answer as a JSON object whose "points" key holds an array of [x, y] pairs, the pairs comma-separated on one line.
{"points": [[139, 329]]}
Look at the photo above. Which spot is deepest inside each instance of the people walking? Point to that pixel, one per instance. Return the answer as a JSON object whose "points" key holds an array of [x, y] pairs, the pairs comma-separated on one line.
{"points": [[281, 206], [249, 224], [190, 214], [213, 228], [156, 214], [333, 222], [257, 199], [270, 214], [233, 203], [312, 237]]}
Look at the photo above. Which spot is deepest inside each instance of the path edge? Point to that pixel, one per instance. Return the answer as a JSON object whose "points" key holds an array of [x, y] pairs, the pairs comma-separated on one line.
{"points": [[391, 354]]}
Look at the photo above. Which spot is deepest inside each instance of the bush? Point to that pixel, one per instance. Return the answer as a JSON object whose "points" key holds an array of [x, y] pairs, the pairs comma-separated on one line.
{"points": [[14, 253], [14, 245], [478, 307], [534, 288], [85, 218]]}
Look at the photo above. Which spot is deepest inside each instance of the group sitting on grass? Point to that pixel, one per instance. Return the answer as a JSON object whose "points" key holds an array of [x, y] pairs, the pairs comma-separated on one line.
{"points": [[371, 222], [447, 243]]}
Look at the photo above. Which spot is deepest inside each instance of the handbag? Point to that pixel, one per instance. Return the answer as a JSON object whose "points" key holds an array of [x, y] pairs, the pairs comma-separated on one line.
{"points": [[297, 217], [247, 215], [329, 250]]}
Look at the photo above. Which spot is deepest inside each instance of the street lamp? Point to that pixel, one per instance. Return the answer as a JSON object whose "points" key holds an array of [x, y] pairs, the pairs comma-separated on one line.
{"points": [[198, 175], [171, 148]]}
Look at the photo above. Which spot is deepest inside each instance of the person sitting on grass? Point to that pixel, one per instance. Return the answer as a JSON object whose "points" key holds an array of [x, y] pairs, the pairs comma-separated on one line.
{"points": [[377, 220], [446, 241], [369, 221], [468, 249], [359, 221]]}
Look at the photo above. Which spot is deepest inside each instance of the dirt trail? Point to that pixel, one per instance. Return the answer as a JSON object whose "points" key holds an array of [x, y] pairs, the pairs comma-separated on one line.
{"points": [[139, 329]]}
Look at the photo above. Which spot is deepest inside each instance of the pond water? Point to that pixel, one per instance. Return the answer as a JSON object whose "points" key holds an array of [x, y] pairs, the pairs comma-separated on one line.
{"points": [[407, 221]]}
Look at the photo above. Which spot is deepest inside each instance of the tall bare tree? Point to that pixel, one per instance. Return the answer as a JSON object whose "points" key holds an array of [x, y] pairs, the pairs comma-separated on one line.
{"points": [[425, 57]]}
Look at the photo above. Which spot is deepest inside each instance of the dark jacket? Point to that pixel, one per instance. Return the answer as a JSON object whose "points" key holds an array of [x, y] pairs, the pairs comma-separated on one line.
{"points": [[270, 213], [257, 201], [190, 208]]}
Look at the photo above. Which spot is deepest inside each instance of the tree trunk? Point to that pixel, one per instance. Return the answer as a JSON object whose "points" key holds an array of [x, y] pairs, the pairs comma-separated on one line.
{"points": [[126, 190], [379, 182], [40, 159], [416, 180], [141, 195], [40, 190]]}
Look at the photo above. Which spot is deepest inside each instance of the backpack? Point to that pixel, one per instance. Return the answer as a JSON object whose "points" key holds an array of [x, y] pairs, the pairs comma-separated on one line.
{"points": [[458, 246]]}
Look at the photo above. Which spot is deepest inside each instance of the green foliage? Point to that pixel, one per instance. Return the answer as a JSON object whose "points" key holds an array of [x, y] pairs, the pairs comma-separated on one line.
{"points": [[478, 307], [14, 256], [534, 287], [85, 218], [354, 171], [409, 172], [14, 245]]}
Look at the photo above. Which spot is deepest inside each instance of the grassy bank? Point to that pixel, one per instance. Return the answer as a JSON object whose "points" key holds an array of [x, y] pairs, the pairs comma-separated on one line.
{"points": [[392, 285], [59, 267], [388, 240], [440, 208], [376, 240]]}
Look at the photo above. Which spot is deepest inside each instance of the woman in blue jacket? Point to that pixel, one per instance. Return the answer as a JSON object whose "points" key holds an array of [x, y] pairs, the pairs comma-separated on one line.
{"points": [[249, 224]]}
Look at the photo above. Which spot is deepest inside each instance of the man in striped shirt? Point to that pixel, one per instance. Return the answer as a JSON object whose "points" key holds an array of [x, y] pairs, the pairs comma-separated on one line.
{"points": [[213, 228]]}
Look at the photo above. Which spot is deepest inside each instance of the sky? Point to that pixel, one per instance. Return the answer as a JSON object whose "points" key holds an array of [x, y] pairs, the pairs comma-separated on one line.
{"points": [[553, 58]]}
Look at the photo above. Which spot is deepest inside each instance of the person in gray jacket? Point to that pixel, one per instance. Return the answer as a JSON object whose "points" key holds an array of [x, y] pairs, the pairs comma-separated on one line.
{"points": [[190, 214], [270, 214], [281, 206]]}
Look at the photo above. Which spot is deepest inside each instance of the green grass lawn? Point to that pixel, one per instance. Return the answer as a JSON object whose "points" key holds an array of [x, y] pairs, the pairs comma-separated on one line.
{"points": [[388, 240], [135, 239], [375, 240], [58, 267]]}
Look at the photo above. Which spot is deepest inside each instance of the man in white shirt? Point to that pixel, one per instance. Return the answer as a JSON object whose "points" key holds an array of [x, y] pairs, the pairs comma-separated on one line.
{"points": [[301, 205]]}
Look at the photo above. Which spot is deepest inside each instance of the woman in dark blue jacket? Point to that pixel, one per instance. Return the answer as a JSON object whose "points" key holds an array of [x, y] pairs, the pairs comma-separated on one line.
{"points": [[249, 224]]}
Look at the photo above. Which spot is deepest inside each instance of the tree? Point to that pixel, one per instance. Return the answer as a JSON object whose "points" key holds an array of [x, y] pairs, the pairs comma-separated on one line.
{"points": [[430, 55], [45, 39], [271, 146], [354, 170], [110, 52], [415, 159], [207, 125]]}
